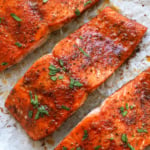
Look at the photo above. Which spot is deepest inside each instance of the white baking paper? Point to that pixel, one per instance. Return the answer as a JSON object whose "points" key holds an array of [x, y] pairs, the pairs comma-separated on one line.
{"points": [[13, 137]]}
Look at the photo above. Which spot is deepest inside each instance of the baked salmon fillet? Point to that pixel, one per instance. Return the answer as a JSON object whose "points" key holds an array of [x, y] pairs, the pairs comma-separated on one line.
{"points": [[121, 123], [58, 83], [25, 24]]}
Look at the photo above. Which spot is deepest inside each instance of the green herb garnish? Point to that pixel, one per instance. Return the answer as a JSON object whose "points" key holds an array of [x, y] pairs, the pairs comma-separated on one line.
{"points": [[131, 107], [77, 12], [34, 102], [41, 112], [131, 147], [16, 17], [30, 114], [61, 63], [81, 37], [97, 147], [124, 113], [125, 140], [64, 148], [53, 78], [53, 70], [127, 106], [75, 83], [111, 138], [85, 136], [78, 148], [122, 109], [18, 44], [84, 52], [65, 107], [60, 77], [88, 2], [4, 63], [45, 1], [142, 130]]}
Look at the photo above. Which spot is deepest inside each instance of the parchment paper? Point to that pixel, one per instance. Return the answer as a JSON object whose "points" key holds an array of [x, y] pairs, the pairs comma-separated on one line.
{"points": [[13, 137]]}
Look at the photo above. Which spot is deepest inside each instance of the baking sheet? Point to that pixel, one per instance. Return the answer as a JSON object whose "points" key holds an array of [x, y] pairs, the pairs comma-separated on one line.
{"points": [[13, 137]]}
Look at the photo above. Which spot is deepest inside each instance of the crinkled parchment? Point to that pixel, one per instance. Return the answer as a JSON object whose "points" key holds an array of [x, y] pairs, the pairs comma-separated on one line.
{"points": [[13, 137]]}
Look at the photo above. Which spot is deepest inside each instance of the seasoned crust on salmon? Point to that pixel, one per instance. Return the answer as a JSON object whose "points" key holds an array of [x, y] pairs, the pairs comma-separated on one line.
{"points": [[109, 39], [29, 22], [121, 123], [55, 87]]}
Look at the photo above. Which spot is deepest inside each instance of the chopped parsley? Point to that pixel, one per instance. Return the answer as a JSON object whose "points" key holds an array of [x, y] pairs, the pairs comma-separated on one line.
{"points": [[18, 44], [65, 107], [34, 102], [30, 114], [53, 70], [60, 77], [142, 130], [122, 109], [127, 106], [61, 63], [4, 63], [85, 136], [81, 37], [88, 2], [45, 1], [124, 113], [97, 147], [78, 148], [53, 78], [131, 147], [64, 148], [41, 112], [84, 52], [77, 12], [125, 140], [75, 83], [111, 138], [16, 17], [131, 107]]}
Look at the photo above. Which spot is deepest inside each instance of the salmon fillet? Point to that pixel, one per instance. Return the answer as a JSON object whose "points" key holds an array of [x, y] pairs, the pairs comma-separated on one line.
{"points": [[121, 123], [29, 22], [108, 40], [58, 83]]}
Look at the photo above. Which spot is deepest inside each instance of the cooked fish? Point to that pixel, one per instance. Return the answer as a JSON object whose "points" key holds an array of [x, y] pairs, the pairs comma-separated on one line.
{"points": [[25, 24], [58, 83], [121, 123]]}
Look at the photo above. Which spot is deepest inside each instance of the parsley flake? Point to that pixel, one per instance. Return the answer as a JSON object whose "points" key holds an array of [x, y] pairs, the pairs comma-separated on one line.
{"points": [[45, 1], [64, 148], [97, 147], [30, 114], [53, 78], [84, 52], [4, 63], [77, 12], [41, 112], [53, 70], [142, 130], [18, 44], [65, 107], [75, 83], [34, 102], [88, 2], [85, 136], [16, 17]]}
